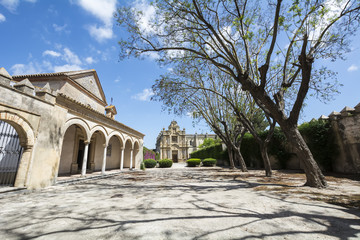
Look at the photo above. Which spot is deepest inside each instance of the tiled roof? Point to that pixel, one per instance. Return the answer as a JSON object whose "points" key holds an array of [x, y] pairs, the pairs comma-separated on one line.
{"points": [[53, 74]]}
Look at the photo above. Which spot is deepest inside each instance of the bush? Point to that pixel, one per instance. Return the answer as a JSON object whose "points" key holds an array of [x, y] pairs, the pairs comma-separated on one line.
{"points": [[165, 163], [193, 162], [209, 162], [214, 151], [150, 163]]}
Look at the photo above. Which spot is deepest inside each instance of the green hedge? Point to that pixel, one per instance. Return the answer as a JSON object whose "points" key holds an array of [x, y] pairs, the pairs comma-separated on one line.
{"points": [[209, 162], [193, 162], [165, 163], [321, 141], [214, 151], [317, 134], [150, 163]]}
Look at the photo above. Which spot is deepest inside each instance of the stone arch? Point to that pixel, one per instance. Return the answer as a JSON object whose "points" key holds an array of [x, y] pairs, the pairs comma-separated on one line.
{"points": [[27, 141], [97, 144], [115, 147], [118, 135], [79, 122], [128, 148], [22, 127], [100, 129], [76, 135]]}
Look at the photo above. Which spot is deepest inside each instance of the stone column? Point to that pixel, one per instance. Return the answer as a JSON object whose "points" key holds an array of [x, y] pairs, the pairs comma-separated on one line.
{"points": [[122, 159], [22, 172], [131, 158], [103, 168], [84, 163]]}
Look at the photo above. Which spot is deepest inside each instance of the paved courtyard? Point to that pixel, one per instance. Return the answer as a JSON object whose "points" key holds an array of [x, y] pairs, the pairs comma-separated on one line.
{"points": [[182, 203]]}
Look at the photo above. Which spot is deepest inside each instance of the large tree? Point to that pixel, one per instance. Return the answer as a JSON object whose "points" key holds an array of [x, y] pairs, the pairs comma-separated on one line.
{"points": [[269, 47], [187, 85], [184, 91]]}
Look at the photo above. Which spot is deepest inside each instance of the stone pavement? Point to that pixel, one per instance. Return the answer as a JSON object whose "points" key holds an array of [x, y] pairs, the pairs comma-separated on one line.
{"points": [[177, 203]]}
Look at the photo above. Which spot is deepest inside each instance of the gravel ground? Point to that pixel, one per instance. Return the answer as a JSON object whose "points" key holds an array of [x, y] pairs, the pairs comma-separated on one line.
{"points": [[184, 203]]}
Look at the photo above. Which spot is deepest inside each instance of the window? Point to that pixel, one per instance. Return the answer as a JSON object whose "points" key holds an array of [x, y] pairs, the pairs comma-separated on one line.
{"points": [[108, 151], [174, 139]]}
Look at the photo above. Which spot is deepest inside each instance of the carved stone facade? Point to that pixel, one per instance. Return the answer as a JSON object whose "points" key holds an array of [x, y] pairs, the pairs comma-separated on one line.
{"points": [[62, 127], [175, 144]]}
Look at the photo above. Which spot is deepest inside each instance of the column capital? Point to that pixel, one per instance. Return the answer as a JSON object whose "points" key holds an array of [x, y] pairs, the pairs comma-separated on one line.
{"points": [[105, 145], [86, 142]]}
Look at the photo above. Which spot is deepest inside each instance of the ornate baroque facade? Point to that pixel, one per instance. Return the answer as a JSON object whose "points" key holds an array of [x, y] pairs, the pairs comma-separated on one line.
{"points": [[175, 144]]}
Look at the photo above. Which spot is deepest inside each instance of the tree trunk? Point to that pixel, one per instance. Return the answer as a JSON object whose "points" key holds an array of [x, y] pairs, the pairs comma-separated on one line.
{"points": [[314, 176], [266, 160], [241, 160], [231, 157]]}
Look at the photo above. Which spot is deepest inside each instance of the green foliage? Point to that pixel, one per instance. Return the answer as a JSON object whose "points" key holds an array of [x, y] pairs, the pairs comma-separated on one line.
{"points": [[142, 166], [214, 151], [165, 163], [317, 134], [193, 162], [320, 139], [149, 163], [250, 151], [209, 162], [208, 142]]}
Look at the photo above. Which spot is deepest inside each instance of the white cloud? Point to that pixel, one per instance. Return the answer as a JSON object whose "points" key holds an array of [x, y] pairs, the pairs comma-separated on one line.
{"points": [[145, 95], [102, 10], [353, 68], [12, 5], [101, 33], [70, 57], [60, 29], [51, 53], [147, 15], [2, 18], [22, 69], [67, 67], [117, 80], [89, 60]]}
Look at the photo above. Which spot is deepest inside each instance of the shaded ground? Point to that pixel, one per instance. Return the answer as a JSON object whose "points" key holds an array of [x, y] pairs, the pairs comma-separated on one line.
{"points": [[185, 203]]}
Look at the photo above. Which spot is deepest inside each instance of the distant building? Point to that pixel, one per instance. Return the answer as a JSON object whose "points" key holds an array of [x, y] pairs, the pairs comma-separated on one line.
{"points": [[175, 144]]}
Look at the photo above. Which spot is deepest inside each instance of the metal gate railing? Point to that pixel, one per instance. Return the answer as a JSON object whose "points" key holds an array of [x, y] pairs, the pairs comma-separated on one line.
{"points": [[10, 154]]}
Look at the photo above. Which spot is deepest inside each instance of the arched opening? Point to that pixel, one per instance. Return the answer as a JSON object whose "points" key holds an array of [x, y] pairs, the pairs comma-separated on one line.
{"points": [[127, 153], [17, 141], [113, 153], [96, 152], [72, 152], [136, 154], [10, 154]]}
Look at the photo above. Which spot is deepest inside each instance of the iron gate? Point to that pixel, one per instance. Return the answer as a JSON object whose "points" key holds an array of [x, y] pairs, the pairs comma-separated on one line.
{"points": [[10, 154]]}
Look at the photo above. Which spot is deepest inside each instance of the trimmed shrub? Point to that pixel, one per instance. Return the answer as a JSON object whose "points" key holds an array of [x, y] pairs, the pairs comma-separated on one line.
{"points": [[150, 163], [165, 163], [214, 151], [193, 162], [209, 162]]}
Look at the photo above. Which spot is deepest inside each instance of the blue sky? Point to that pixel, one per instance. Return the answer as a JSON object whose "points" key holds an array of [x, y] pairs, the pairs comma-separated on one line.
{"points": [[50, 36]]}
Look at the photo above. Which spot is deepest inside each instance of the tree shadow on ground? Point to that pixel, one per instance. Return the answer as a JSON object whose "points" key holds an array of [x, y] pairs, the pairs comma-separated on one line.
{"points": [[105, 217]]}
